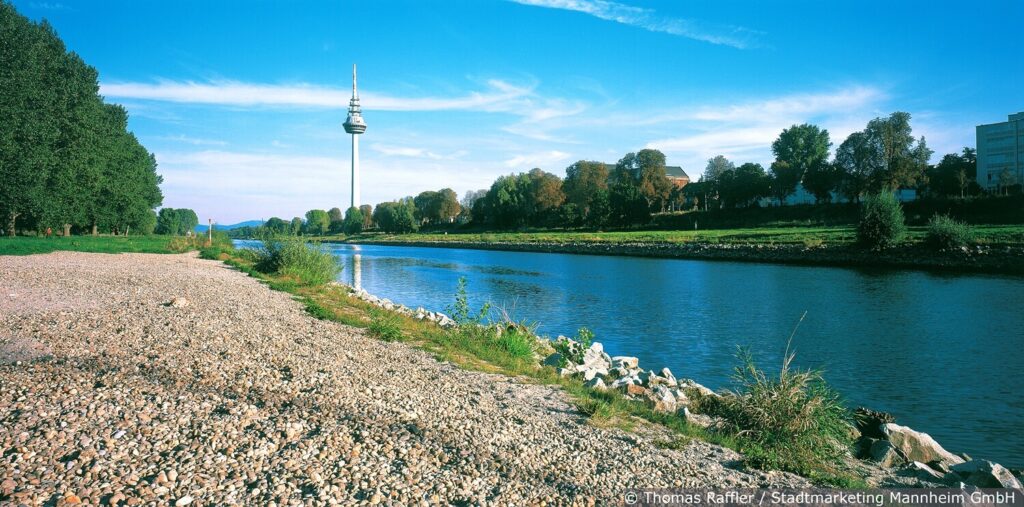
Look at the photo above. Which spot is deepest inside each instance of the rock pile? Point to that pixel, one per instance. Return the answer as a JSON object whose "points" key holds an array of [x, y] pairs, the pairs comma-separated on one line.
{"points": [[419, 313], [661, 390], [917, 455]]}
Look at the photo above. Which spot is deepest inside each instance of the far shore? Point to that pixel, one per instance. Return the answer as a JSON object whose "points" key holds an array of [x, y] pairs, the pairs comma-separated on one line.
{"points": [[1007, 260]]}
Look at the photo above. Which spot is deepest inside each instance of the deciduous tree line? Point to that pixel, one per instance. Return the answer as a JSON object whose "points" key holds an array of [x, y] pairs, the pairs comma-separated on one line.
{"points": [[67, 159], [884, 156]]}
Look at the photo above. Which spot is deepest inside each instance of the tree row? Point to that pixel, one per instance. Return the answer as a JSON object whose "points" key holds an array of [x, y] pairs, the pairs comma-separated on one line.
{"points": [[67, 159]]}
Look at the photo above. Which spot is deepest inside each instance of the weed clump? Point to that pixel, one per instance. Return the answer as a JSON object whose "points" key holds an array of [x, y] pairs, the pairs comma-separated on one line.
{"points": [[295, 259], [944, 233], [793, 422]]}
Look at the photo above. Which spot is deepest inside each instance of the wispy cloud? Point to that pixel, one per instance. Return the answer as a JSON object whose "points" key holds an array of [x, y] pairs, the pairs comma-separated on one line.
{"points": [[539, 159], [534, 111], [181, 138], [236, 93], [650, 20], [411, 152]]}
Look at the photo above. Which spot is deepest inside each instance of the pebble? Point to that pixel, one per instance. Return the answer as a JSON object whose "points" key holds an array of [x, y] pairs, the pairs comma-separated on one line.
{"points": [[192, 407]]}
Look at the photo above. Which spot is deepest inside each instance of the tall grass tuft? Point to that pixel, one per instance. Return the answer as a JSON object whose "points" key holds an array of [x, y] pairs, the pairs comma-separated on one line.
{"points": [[793, 422], [945, 233], [293, 258]]}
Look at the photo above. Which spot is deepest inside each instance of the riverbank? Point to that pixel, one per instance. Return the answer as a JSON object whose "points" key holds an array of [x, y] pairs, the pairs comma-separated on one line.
{"points": [[169, 379], [1000, 258]]}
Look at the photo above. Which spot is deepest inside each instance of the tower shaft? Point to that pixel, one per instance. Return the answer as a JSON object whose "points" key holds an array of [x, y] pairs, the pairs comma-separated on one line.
{"points": [[355, 171]]}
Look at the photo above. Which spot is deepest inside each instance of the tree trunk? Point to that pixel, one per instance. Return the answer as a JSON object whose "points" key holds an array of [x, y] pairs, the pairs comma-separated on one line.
{"points": [[10, 223], [94, 228], [67, 230], [126, 229]]}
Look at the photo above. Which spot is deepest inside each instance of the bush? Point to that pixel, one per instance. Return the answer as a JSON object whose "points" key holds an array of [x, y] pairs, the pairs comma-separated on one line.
{"points": [[881, 223], [945, 233], [794, 422], [294, 258]]}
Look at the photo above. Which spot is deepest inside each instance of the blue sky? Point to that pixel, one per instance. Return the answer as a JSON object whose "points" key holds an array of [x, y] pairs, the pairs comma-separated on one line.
{"points": [[242, 102]]}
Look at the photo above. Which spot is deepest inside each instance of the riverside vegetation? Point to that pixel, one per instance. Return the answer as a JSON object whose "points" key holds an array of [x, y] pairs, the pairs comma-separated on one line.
{"points": [[790, 421]]}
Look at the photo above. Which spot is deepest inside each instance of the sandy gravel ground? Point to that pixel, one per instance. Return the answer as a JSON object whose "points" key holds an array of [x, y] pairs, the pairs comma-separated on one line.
{"points": [[240, 397]]}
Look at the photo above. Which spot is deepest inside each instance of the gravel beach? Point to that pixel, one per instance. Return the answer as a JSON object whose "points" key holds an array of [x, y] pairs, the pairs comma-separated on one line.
{"points": [[110, 394]]}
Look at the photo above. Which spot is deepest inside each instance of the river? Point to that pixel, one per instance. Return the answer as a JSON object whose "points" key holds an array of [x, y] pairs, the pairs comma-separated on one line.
{"points": [[944, 353]]}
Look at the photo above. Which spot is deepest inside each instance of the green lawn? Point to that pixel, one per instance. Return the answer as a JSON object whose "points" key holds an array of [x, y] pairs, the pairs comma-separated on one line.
{"points": [[27, 245], [986, 234]]}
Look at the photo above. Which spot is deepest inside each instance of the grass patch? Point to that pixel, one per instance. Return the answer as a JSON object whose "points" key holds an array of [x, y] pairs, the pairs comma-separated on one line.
{"points": [[793, 421], [809, 237], [385, 326], [29, 245]]}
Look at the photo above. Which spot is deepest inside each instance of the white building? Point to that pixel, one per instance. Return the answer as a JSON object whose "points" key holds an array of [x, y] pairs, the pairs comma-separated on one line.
{"points": [[1001, 153]]}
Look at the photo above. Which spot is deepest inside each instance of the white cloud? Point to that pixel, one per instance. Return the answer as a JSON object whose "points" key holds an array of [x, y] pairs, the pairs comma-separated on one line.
{"points": [[540, 159], [648, 19], [235, 93], [410, 152], [181, 138]]}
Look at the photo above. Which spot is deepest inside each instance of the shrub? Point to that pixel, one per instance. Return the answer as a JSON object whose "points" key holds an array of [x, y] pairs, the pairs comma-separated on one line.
{"points": [[881, 223], [945, 233], [294, 258], [794, 422]]}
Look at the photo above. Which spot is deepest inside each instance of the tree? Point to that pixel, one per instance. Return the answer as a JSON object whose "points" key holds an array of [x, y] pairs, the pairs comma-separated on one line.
{"points": [[744, 186], [821, 180], [275, 225], [716, 167], [856, 161], [506, 203], [583, 180], [427, 206], [167, 221], [627, 205], [177, 222], [395, 217], [645, 170], [901, 161], [337, 224], [953, 174], [318, 222], [543, 198], [367, 211], [295, 227], [447, 205], [353, 223], [801, 148]]}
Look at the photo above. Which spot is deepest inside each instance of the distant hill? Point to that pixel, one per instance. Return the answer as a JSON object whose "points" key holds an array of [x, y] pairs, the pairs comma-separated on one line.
{"points": [[222, 227]]}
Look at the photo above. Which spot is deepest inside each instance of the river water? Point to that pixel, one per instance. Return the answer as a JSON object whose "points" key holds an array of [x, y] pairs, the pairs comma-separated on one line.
{"points": [[942, 352]]}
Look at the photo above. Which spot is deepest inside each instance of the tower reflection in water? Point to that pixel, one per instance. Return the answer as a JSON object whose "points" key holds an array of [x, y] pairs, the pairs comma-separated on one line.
{"points": [[357, 269]]}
